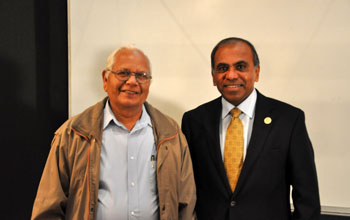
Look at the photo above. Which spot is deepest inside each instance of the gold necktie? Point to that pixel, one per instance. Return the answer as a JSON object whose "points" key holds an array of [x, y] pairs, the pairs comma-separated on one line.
{"points": [[233, 152]]}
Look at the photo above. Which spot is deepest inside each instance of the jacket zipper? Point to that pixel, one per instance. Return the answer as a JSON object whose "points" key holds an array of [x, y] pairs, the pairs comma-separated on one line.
{"points": [[87, 167]]}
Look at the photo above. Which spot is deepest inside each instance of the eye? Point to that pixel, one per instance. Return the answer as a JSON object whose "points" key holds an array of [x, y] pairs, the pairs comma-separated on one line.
{"points": [[142, 76], [123, 73], [241, 66], [222, 67]]}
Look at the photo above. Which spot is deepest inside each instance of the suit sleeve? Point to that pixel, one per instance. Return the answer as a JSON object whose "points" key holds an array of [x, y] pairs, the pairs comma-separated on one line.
{"points": [[50, 201], [303, 175], [187, 197], [185, 126]]}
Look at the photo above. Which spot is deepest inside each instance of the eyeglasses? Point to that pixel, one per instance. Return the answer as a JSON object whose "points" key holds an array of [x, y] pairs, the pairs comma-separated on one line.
{"points": [[124, 75]]}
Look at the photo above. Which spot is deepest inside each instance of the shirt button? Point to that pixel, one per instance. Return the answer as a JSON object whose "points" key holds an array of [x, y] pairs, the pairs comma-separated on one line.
{"points": [[132, 157], [233, 203], [132, 213], [132, 184]]}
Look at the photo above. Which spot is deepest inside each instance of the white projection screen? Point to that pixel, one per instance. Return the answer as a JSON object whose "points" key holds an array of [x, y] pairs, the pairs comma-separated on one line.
{"points": [[303, 47]]}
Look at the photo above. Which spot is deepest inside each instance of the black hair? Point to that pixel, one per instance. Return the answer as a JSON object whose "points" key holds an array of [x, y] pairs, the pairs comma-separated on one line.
{"points": [[233, 40]]}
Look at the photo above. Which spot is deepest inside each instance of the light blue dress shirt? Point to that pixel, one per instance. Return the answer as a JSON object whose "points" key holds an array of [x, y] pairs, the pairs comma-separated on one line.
{"points": [[127, 187]]}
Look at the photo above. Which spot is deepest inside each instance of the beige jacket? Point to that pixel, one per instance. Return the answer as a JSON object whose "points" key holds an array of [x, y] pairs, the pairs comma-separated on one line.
{"points": [[70, 180]]}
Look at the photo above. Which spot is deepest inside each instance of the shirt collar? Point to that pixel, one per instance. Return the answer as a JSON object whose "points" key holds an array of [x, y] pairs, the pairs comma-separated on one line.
{"points": [[247, 106], [144, 121]]}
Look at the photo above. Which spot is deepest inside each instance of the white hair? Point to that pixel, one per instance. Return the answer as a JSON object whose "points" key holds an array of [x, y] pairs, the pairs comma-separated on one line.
{"points": [[110, 59]]}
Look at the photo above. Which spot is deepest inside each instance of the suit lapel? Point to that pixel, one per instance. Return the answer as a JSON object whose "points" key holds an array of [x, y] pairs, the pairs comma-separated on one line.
{"points": [[259, 134], [213, 145]]}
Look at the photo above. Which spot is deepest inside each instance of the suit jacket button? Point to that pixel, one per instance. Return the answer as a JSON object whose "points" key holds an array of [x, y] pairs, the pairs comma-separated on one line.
{"points": [[233, 203]]}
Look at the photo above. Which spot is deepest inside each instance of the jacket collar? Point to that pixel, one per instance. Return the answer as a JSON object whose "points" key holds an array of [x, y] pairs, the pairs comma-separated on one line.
{"points": [[89, 123], [261, 130], [163, 126]]}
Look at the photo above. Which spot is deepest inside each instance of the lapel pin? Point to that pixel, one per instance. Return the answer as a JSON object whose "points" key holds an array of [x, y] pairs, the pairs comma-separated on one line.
{"points": [[267, 120]]}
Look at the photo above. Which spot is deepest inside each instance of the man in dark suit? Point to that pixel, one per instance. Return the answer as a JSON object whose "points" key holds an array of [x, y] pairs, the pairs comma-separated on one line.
{"points": [[276, 153]]}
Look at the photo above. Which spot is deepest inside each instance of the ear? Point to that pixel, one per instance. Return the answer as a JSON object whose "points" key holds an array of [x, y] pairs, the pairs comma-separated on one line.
{"points": [[257, 71], [214, 80], [104, 79]]}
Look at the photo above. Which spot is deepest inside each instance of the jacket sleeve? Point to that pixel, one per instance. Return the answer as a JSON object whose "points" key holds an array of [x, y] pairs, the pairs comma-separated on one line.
{"points": [[51, 198], [303, 175], [187, 194]]}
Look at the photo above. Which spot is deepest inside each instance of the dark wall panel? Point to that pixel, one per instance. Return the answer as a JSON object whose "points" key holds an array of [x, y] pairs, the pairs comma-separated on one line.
{"points": [[34, 95]]}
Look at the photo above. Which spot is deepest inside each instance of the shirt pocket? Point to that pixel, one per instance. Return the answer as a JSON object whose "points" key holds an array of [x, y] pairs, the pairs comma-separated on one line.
{"points": [[153, 168], [104, 197]]}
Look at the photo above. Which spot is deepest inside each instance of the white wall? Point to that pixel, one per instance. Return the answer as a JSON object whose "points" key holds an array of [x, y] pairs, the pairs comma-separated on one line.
{"points": [[303, 46]]}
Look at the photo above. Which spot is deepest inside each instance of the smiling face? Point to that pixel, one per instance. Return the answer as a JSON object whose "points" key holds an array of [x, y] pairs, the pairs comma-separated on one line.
{"points": [[234, 73], [128, 94]]}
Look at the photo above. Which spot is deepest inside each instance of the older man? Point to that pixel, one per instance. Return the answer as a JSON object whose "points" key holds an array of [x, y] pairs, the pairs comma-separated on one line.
{"points": [[121, 158], [249, 150]]}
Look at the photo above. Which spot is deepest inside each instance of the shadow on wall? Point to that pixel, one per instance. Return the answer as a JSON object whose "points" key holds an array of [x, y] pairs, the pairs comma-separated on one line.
{"points": [[98, 65], [168, 107]]}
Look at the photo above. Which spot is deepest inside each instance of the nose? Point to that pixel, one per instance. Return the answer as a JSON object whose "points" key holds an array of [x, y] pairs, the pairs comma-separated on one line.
{"points": [[132, 79], [231, 74]]}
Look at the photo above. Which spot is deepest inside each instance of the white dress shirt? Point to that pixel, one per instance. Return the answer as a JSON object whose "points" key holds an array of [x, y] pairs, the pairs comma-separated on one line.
{"points": [[247, 117]]}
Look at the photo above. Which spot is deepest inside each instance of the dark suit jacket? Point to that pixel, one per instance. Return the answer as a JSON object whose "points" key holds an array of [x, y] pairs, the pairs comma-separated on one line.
{"points": [[279, 156]]}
